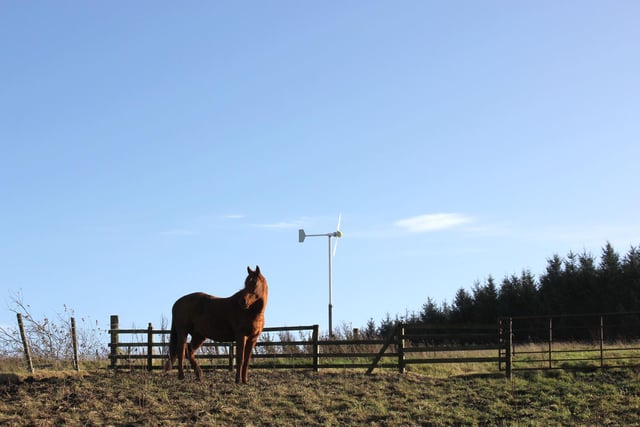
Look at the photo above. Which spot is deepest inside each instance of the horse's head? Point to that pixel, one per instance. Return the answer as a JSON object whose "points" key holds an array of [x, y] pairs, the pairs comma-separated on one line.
{"points": [[255, 288]]}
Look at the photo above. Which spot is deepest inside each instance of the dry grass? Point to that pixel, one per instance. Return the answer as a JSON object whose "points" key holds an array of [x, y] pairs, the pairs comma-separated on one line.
{"points": [[341, 397]]}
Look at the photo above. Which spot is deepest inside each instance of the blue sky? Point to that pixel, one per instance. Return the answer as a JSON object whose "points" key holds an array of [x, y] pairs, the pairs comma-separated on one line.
{"points": [[150, 149]]}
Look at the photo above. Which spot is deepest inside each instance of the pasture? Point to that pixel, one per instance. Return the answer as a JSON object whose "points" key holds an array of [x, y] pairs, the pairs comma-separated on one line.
{"points": [[306, 380], [303, 397]]}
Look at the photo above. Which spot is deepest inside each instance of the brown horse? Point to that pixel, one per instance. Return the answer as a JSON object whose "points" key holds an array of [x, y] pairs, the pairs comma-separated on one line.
{"points": [[238, 318]]}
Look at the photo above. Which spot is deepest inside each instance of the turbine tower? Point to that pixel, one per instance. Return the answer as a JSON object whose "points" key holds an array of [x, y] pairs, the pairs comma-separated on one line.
{"points": [[337, 234]]}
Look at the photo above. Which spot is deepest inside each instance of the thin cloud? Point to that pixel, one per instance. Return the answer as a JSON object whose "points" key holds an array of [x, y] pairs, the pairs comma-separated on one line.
{"points": [[287, 225], [235, 216], [432, 222]]}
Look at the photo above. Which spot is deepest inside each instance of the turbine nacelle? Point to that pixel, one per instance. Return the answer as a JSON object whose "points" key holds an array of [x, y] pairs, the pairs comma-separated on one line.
{"points": [[302, 235]]}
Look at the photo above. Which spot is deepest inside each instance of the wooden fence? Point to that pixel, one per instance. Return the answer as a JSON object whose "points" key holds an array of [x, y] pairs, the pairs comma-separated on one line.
{"points": [[148, 348], [580, 341], [512, 344], [405, 345]]}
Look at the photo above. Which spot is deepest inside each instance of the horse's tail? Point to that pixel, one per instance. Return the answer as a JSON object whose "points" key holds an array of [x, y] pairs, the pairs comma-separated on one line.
{"points": [[173, 346]]}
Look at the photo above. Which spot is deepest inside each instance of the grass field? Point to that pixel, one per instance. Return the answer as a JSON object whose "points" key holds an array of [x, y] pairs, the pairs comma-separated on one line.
{"points": [[340, 397]]}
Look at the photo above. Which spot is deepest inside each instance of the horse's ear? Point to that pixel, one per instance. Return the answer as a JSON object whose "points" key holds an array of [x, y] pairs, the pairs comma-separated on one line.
{"points": [[257, 269], [249, 270]]}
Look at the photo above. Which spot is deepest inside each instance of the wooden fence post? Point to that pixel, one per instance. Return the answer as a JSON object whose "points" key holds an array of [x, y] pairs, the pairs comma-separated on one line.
{"points": [[550, 342], [25, 343], [499, 345], [601, 342], [316, 348], [401, 356], [150, 347], [74, 341], [509, 362], [113, 330]]}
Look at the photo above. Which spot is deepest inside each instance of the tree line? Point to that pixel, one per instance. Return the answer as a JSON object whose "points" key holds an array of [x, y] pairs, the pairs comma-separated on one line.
{"points": [[578, 283]]}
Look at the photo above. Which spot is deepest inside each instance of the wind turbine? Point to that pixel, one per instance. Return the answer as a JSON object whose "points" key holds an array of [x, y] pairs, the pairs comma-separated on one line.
{"points": [[337, 234]]}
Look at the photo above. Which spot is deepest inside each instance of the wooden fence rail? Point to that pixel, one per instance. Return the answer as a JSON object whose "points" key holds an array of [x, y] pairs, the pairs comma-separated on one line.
{"points": [[147, 348], [600, 340], [513, 344]]}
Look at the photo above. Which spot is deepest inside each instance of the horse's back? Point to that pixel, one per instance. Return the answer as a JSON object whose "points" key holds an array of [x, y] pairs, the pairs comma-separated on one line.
{"points": [[197, 305], [221, 319], [192, 300], [205, 315]]}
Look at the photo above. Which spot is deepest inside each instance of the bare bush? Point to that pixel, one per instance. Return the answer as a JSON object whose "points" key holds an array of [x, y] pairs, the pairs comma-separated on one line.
{"points": [[50, 339]]}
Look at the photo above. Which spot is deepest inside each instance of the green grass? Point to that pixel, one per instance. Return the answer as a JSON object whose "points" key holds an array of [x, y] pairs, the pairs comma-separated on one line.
{"points": [[570, 355], [336, 397]]}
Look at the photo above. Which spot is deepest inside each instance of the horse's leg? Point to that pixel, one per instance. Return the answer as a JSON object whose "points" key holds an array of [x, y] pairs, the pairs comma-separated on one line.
{"points": [[181, 344], [240, 346], [194, 345], [248, 351]]}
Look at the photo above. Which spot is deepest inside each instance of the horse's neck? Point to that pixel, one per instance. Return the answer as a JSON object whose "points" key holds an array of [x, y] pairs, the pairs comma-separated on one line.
{"points": [[262, 292], [263, 289], [265, 293]]}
